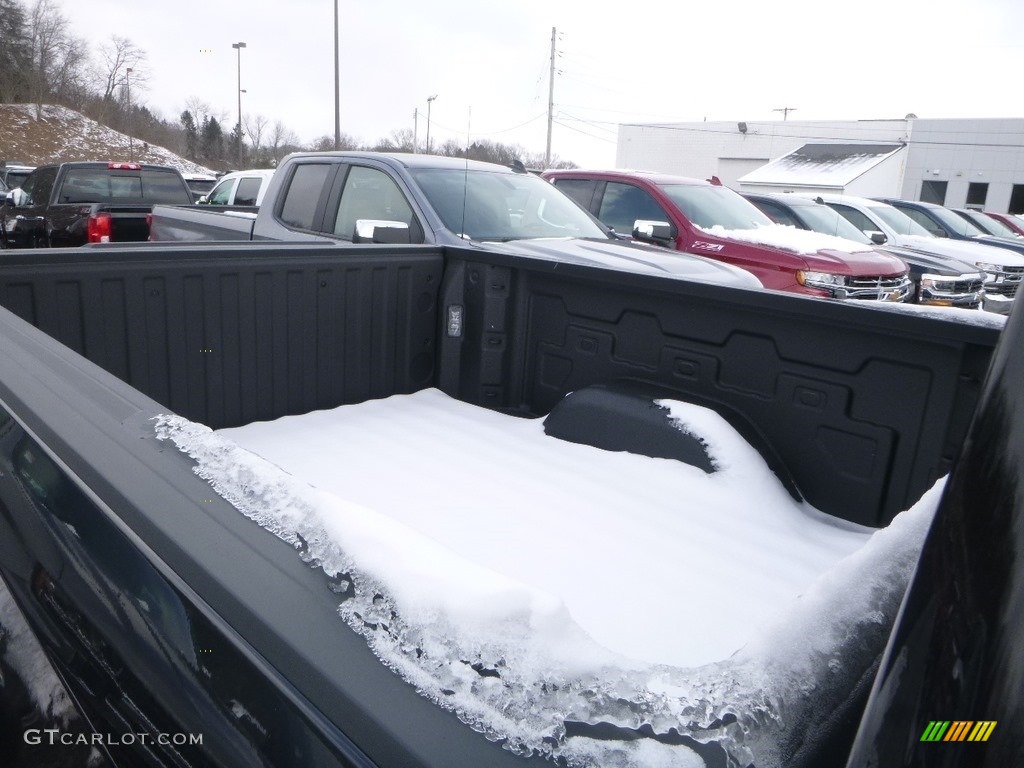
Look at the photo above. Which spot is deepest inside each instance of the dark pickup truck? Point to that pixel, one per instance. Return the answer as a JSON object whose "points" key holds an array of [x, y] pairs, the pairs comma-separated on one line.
{"points": [[189, 633], [75, 203]]}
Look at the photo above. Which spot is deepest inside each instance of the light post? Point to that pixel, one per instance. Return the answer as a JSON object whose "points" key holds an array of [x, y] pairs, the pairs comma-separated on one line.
{"points": [[337, 85], [430, 100], [131, 141], [238, 47]]}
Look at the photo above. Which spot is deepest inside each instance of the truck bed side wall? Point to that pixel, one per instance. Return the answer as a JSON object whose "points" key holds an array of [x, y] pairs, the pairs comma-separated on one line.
{"points": [[864, 408], [234, 339]]}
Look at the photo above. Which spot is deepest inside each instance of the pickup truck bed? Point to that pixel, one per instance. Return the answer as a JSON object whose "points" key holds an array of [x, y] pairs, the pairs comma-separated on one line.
{"points": [[166, 610], [195, 222]]}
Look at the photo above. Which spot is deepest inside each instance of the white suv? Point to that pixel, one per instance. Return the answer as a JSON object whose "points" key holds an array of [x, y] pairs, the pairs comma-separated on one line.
{"points": [[239, 188]]}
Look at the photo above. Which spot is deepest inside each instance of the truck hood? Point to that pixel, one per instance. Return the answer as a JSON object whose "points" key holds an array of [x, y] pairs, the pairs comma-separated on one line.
{"points": [[819, 252], [932, 263], [965, 250], [629, 257]]}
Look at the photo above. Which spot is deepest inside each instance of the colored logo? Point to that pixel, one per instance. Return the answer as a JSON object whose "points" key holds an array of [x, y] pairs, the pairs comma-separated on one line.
{"points": [[958, 730]]}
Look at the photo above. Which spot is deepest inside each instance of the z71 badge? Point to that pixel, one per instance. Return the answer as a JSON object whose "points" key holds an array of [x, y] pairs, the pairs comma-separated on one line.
{"points": [[700, 245]]}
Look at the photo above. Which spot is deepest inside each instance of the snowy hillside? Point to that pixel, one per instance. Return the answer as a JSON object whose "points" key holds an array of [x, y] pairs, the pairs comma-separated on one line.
{"points": [[63, 134]]}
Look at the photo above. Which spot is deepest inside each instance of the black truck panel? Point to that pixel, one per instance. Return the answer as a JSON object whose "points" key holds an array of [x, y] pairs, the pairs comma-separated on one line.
{"points": [[861, 408], [864, 410]]}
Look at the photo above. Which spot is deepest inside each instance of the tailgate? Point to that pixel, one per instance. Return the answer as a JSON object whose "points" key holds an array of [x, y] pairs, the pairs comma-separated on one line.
{"points": [[196, 223]]}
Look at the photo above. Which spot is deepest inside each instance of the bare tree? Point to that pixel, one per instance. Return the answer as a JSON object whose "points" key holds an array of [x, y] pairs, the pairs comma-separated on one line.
{"points": [[117, 57], [57, 58], [255, 128], [202, 112], [401, 140], [15, 53], [326, 143], [282, 140]]}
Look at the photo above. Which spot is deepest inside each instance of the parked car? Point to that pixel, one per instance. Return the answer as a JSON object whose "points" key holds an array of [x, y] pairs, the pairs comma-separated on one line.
{"points": [[239, 188], [708, 219], [986, 223], [938, 280], [199, 183], [356, 198], [1013, 221], [70, 204], [943, 222], [886, 224], [14, 174]]}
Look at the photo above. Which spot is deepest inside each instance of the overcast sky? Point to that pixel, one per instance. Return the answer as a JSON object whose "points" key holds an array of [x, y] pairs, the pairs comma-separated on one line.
{"points": [[649, 61]]}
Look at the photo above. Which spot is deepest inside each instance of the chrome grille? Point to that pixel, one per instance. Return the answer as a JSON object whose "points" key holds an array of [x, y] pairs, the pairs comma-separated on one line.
{"points": [[878, 288]]}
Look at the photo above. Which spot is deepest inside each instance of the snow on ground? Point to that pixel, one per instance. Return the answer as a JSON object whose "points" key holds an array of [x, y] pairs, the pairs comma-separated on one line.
{"points": [[599, 586], [63, 134]]}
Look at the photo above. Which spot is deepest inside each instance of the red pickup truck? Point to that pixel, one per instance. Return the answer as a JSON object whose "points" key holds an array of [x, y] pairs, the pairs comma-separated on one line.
{"points": [[708, 219]]}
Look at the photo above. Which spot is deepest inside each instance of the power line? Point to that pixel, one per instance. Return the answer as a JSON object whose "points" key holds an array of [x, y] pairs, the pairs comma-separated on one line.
{"points": [[592, 136]]}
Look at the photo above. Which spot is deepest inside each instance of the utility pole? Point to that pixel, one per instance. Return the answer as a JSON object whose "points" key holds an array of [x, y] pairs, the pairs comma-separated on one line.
{"points": [[551, 100], [415, 130], [337, 85], [785, 111]]}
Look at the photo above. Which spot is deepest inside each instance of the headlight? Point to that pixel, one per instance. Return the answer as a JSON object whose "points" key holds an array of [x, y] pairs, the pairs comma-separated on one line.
{"points": [[992, 269], [820, 279]]}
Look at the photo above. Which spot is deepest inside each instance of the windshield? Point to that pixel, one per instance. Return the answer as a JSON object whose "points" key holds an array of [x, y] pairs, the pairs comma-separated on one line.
{"points": [[957, 224], [823, 219], [991, 226], [490, 205], [103, 185], [708, 206], [899, 221]]}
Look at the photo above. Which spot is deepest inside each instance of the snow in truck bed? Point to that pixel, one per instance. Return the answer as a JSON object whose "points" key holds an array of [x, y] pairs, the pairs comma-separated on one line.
{"points": [[600, 587]]}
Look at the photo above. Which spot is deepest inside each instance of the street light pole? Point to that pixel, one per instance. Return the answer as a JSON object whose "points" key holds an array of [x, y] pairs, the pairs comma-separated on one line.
{"points": [[430, 100], [238, 47], [131, 141], [337, 85]]}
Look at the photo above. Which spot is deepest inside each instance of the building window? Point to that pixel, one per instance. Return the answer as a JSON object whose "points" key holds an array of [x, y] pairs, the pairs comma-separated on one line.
{"points": [[977, 193], [933, 192], [1017, 199]]}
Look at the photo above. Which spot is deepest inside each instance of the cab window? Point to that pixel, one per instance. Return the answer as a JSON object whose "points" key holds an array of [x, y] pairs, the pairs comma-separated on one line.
{"points": [[248, 190], [302, 200], [623, 204], [371, 194], [221, 194]]}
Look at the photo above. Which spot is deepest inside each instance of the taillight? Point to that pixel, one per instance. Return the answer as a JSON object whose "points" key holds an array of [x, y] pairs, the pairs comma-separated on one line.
{"points": [[149, 226], [124, 166], [99, 228]]}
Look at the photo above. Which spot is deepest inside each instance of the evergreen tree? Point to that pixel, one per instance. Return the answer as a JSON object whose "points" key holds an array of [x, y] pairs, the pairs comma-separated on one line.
{"points": [[188, 124], [211, 140]]}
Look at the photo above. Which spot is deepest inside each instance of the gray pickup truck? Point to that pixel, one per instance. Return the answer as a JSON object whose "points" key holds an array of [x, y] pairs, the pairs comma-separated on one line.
{"points": [[352, 198]]}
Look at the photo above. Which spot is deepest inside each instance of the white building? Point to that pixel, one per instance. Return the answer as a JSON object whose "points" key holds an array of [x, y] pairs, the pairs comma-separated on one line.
{"points": [[956, 162]]}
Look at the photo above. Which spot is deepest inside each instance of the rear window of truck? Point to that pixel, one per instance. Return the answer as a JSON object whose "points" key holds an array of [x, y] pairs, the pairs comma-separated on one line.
{"points": [[103, 185]]}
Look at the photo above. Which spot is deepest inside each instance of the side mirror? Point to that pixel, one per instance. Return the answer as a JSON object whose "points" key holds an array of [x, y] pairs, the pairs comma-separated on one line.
{"points": [[16, 197], [381, 231], [939, 232], [660, 232], [878, 238], [203, 200]]}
